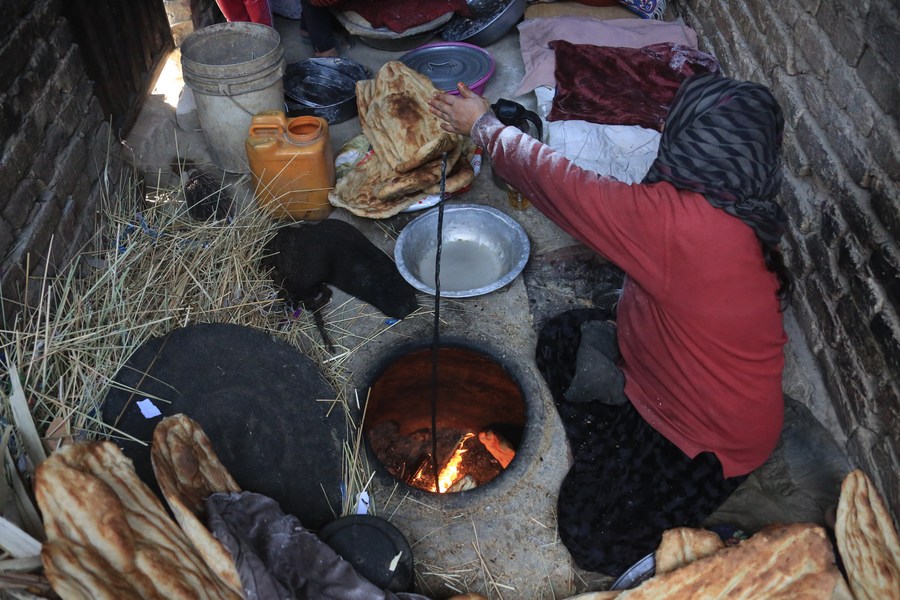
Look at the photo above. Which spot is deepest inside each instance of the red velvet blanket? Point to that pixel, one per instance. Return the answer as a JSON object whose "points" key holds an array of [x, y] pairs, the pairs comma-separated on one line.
{"points": [[400, 15], [622, 86]]}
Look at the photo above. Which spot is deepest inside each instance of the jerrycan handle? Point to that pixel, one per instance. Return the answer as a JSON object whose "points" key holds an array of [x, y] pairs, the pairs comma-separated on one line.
{"points": [[513, 113], [269, 122]]}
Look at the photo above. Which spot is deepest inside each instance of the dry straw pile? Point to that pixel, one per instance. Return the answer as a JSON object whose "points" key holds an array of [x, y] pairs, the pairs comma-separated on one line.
{"points": [[150, 269]]}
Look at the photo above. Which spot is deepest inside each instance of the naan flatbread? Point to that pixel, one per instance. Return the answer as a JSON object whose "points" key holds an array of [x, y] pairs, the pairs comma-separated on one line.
{"points": [[683, 545], [790, 562], [397, 119], [408, 145], [188, 471], [109, 537], [866, 540]]}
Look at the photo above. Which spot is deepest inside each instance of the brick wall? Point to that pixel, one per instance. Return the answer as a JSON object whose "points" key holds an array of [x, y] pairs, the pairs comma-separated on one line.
{"points": [[53, 139], [832, 66]]}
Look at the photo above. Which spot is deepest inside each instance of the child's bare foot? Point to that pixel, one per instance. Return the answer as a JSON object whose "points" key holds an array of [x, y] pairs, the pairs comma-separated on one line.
{"points": [[497, 446]]}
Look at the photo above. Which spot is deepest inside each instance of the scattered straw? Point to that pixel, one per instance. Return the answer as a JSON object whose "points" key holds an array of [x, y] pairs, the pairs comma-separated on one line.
{"points": [[488, 577], [149, 270]]}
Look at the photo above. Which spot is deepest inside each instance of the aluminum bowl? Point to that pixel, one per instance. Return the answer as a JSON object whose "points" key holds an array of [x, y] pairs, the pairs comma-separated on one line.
{"points": [[489, 21], [483, 250]]}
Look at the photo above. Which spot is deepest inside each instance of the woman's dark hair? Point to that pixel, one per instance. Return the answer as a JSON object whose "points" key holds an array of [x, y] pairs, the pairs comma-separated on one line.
{"points": [[775, 263]]}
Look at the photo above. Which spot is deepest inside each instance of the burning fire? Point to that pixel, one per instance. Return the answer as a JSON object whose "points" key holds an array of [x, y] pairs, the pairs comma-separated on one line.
{"points": [[448, 475]]}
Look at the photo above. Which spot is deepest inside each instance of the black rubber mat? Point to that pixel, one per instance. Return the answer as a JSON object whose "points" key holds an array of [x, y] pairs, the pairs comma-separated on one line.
{"points": [[255, 396]]}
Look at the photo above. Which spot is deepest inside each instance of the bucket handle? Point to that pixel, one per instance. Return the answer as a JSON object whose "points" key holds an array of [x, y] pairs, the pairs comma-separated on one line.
{"points": [[226, 92], [447, 64]]}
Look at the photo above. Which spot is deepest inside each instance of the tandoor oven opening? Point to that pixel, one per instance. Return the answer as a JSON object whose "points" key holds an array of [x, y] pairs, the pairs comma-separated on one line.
{"points": [[480, 419]]}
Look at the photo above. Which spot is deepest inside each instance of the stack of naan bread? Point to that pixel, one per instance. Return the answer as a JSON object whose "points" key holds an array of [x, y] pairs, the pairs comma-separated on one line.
{"points": [[782, 562], [408, 146], [109, 537]]}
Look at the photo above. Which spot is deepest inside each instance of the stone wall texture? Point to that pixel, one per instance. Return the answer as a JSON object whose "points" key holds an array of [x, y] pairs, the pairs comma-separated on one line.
{"points": [[833, 67], [54, 143]]}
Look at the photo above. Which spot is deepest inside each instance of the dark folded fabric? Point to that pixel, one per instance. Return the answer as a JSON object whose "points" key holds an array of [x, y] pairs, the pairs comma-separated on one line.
{"points": [[597, 375], [622, 86], [277, 559]]}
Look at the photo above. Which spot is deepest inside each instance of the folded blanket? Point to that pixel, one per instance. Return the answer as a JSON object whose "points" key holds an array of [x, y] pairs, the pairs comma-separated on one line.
{"points": [[622, 86], [400, 15], [535, 36]]}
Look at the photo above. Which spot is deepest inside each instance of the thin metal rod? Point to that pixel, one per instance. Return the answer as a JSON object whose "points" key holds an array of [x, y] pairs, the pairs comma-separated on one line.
{"points": [[436, 339]]}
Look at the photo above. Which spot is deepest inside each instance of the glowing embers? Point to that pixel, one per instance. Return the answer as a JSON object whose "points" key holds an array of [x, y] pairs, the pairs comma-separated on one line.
{"points": [[480, 419]]}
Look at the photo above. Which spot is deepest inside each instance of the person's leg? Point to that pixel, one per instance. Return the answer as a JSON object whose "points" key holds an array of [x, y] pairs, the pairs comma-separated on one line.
{"points": [[233, 10], [258, 11], [619, 496], [316, 21]]}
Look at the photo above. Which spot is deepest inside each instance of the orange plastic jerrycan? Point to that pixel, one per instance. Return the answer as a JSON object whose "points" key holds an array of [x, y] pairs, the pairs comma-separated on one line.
{"points": [[292, 164]]}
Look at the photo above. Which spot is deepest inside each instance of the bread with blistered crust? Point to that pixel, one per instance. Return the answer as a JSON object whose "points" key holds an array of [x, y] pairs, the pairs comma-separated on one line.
{"points": [[109, 537], [791, 562], [397, 119], [683, 545], [408, 145], [188, 471], [867, 540]]}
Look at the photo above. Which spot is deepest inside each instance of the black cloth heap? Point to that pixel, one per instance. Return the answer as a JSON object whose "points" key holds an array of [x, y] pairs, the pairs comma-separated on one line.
{"points": [[627, 483], [723, 139]]}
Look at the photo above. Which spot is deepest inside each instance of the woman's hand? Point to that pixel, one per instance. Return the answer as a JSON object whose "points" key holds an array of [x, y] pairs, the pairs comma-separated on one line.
{"points": [[459, 112]]}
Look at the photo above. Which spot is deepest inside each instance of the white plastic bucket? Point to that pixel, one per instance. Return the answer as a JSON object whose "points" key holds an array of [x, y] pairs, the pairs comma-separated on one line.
{"points": [[235, 71]]}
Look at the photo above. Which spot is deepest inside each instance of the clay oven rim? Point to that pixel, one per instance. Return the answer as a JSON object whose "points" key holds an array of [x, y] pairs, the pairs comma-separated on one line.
{"points": [[524, 378]]}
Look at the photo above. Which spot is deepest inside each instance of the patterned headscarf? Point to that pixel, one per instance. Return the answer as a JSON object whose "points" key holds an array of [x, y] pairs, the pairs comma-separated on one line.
{"points": [[723, 139]]}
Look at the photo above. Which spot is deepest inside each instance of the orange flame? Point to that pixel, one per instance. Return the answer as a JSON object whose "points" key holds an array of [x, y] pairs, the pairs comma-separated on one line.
{"points": [[451, 472]]}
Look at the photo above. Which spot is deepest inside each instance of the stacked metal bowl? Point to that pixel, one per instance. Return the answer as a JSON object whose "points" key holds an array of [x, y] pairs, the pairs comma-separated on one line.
{"points": [[489, 21]]}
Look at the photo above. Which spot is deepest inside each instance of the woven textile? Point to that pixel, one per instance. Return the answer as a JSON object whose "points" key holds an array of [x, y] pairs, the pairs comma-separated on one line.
{"points": [[647, 9]]}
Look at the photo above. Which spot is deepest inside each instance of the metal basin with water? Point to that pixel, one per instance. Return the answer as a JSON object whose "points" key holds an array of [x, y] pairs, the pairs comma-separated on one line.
{"points": [[483, 250]]}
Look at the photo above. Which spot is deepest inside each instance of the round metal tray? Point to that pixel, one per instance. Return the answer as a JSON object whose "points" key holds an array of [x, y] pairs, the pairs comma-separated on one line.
{"points": [[447, 63], [637, 574]]}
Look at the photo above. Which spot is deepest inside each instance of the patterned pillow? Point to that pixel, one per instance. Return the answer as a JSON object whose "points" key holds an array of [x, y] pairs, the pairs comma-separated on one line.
{"points": [[647, 9]]}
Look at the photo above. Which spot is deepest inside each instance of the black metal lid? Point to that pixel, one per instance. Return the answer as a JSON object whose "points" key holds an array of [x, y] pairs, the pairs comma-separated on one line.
{"points": [[371, 544], [448, 63]]}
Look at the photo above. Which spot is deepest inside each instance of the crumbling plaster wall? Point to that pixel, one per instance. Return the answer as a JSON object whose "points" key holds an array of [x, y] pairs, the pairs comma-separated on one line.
{"points": [[833, 67]]}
